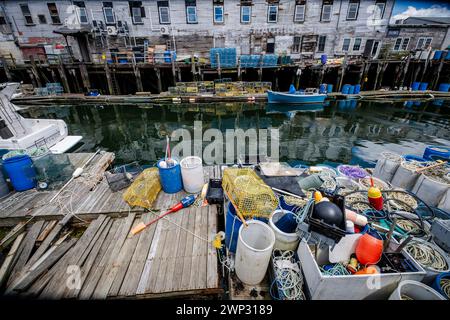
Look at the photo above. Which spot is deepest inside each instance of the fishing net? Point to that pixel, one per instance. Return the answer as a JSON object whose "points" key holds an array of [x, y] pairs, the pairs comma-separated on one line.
{"points": [[144, 190], [248, 192], [53, 169]]}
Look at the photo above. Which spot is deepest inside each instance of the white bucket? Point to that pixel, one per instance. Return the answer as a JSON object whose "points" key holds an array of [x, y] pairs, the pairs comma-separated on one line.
{"points": [[254, 249], [192, 174], [416, 291], [444, 204], [404, 178], [430, 191], [283, 240], [387, 166]]}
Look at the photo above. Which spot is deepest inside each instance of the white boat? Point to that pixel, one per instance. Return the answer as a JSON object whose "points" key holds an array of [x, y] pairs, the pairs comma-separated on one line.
{"points": [[17, 132]]}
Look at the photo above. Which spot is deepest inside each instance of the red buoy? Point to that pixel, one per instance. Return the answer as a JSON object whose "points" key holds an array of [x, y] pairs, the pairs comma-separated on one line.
{"points": [[369, 249]]}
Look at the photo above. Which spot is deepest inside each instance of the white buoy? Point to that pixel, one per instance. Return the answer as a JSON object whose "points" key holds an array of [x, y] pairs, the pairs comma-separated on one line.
{"points": [[192, 174], [254, 249]]}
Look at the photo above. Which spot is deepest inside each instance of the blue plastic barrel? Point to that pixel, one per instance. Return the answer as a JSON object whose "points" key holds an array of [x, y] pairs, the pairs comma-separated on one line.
{"points": [[170, 178], [232, 225], [351, 90], [437, 55], [323, 59], [21, 172], [323, 88], [415, 86], [437, 283], [444, 87], [412, 157], [329, 88], [423, 86], [345, 88], [357, 88], [440, 151], [447, 57]]}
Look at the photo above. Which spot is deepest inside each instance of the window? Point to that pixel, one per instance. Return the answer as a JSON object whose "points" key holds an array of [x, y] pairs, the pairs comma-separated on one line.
{"points": [[108, 12], [81, 11], [357, 44], [246, 14], [326, 11], [299, 15], [352, 12], [218, 14], [137, 12], [423, 43], [272, 13], [380, 7], [321, 45], [405, 44], [42, 19], [163, 9], [346, 45], [26, 14], [398, 43], [297, 44], [54, 15], [270, 47], [375, 46]]}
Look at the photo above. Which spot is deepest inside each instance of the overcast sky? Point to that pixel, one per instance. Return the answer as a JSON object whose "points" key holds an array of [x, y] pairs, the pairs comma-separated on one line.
{"points": [[420, 8]]}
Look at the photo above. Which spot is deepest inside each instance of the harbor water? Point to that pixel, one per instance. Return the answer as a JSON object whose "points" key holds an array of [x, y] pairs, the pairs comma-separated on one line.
{"points": [[348, 131]]}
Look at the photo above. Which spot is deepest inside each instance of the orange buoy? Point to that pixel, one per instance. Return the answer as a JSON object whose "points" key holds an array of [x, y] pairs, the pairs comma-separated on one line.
{"points": [[369, 249], [368, 270]]}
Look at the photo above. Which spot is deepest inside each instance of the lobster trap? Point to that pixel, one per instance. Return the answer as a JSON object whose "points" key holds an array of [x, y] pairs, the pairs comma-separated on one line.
{"points": [[248, 192], [144, 190]]}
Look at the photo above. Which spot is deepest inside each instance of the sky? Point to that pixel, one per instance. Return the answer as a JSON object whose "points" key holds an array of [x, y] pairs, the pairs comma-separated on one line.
{"points": [[420, 8]]}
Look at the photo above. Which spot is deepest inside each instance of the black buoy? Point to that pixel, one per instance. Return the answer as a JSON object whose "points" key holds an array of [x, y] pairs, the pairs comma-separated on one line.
{"points": [[329, 213]]}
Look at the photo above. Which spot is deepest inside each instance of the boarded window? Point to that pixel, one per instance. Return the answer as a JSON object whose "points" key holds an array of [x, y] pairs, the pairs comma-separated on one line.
{"points": [[54, 15], [321, 45], [309, 43], [26, 14]]}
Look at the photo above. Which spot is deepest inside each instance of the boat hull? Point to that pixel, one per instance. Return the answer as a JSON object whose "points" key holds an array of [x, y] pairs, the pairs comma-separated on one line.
{"points": [[280, 97]]}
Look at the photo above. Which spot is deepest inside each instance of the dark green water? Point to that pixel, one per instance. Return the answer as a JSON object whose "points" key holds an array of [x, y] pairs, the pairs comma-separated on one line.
{"points": [[339, 132]]}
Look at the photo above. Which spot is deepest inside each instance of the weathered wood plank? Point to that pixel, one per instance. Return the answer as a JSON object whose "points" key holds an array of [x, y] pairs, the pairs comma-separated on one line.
{"points": [[181, 252], [12, 235], [7, 263], [195, 256], [203, 249], [212, 280], [48, 227], [185, 280]]}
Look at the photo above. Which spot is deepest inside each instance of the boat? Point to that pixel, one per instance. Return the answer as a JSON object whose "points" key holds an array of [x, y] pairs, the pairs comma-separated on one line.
{"points": [[308, 96], [19, 133]]}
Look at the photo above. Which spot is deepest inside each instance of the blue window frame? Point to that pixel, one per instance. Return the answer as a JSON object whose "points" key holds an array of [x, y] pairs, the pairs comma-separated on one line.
{"points": [[218, 14], [246, 14]]}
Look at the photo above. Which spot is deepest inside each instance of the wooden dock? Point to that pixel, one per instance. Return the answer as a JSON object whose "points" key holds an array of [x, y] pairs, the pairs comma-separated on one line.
{"points": [[87, 252]]}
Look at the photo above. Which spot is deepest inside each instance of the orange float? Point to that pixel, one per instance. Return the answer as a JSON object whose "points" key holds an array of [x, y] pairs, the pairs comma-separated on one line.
{"points": [[369, 249]]}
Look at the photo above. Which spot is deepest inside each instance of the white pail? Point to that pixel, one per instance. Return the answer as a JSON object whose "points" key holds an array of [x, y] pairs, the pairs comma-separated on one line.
{"points": [[192, 174]]}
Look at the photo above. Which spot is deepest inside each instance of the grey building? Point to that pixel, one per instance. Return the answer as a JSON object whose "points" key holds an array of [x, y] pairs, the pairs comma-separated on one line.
{"points": [[303, 29]]}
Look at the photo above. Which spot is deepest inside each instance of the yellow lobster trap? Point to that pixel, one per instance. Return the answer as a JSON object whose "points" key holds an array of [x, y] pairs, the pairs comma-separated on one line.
{"points": [[144, 190], [248, 192]]}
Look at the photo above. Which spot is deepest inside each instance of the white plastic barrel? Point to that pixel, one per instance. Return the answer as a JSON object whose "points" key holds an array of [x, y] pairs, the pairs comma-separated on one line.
{"points": [[414, 290], [429, 190], [192, 174], [254, 249], [283, 240]]}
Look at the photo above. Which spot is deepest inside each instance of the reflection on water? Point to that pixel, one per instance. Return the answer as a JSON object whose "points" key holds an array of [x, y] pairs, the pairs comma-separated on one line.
{"points": [[348, 131]]}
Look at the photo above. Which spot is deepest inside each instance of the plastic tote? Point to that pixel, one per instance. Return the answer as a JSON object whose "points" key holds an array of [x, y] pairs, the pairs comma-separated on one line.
{"points": [[192, 174], [21, 172], [429, 190], [254, 249], [170, 178], [414, 290]]}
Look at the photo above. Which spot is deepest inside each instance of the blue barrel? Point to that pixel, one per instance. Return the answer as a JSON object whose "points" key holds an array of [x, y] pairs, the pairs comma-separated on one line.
{"points": [[170, 178], [232, 225], [357, 88], [423, 86], [436, 151], [415, 86], [323, 88], [329, 88], [447, 57], [323, 59], [351, 90], [412, 157], [444, 87], [437, 283], [21, 172], [345, 88], [437, 55]]}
